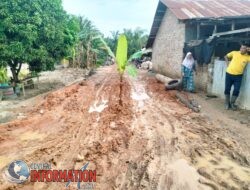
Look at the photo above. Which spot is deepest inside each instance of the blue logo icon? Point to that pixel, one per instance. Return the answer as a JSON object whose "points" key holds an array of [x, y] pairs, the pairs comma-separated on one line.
{"points": [[17, 172]]}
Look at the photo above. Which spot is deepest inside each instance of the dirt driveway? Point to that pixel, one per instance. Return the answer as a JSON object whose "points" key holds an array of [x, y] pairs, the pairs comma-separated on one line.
{"points": [[150, 141]]}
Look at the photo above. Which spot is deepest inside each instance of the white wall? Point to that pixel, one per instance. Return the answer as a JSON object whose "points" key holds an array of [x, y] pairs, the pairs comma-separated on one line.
{"points": [[218, 86]]}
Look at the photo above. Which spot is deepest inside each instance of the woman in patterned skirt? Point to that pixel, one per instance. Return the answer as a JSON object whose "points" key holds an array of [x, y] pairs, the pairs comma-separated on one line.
{"points": [[188, 69]]}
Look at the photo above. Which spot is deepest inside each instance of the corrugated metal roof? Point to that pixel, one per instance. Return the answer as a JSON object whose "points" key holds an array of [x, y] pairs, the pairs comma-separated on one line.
{"points": [[199, 9], [192, 9]]}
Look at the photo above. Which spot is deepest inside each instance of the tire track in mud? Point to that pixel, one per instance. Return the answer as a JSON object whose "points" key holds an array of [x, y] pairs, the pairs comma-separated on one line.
{"points": [[204, 144], [59, 128], [149, 143], [171, 146], [155, 150], [76, 136]]}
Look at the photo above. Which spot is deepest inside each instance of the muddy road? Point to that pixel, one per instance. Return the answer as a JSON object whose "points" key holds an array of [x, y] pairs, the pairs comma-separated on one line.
{"points": [[147, 141]]}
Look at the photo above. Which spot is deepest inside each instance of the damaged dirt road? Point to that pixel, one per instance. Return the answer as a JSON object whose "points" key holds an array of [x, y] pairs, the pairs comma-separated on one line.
{"points": [[150, 141]]}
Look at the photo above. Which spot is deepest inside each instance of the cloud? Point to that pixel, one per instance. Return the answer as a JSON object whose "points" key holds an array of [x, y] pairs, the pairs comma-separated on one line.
{"points": [[112, 15]]}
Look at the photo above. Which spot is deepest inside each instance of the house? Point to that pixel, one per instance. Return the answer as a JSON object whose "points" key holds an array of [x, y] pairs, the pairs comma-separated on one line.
{"points": [[207, 28]]}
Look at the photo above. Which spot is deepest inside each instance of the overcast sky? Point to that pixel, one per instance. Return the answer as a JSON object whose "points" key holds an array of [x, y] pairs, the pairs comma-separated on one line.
{"points": [[113, 15]]}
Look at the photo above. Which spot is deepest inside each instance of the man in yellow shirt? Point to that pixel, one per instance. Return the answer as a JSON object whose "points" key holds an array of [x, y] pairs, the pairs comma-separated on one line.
{"points": [[235, 70]]}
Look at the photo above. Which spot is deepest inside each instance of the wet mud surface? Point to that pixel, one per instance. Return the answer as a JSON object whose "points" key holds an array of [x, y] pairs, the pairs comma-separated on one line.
{"points": [[150, 141]]}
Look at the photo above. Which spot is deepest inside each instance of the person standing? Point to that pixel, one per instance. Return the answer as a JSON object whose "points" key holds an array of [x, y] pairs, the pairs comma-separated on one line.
{"points": [[236, 63], [188, 69]]}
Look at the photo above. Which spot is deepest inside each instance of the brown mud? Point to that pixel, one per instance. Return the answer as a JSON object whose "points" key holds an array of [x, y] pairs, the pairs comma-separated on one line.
{"points": [[150, 141]]}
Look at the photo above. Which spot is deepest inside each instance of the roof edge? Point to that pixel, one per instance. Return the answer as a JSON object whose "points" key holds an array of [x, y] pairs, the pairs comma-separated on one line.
{"points": [[159, 13]]}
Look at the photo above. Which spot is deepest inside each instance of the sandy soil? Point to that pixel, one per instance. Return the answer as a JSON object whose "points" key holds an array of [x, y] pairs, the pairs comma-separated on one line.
{"points": [[149, 141]]}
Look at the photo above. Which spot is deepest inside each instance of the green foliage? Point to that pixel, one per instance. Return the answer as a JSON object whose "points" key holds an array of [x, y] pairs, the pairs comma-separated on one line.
{"points": [[122, 53], [139, 54], [136, 40], [112, 41], [121, 57], [36, 32], [3, 75], [106, 47], [71, 38], [132, 70], [91, 48], [3, 63]]}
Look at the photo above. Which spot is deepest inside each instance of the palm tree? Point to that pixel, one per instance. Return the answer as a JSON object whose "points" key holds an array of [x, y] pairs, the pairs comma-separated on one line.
{"points": [[136, 40], [112, 40], [90, 45]]}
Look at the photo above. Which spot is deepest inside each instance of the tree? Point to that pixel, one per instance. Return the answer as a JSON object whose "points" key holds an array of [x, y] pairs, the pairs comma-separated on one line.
{"points": [[33, 32], [91, 47], [18, 32], [87, 32], [72, 37], [121, 59], [113, 40], [53, 41], [137, 39]]}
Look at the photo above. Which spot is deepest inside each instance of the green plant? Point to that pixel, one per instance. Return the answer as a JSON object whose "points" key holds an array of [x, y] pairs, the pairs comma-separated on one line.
{"points": [[122, 54], [3, 75], [137, 39], [36, 32], [131, 70], [91, 49], [121, 58]]}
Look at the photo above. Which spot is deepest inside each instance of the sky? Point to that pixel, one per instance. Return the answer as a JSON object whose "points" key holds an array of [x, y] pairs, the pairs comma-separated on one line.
{"points": [[115, 15]]}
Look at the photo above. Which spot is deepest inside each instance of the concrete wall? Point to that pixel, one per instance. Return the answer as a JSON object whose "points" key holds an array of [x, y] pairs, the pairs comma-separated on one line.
{"points": [[201, 78], [218, 85], [168, 46]]}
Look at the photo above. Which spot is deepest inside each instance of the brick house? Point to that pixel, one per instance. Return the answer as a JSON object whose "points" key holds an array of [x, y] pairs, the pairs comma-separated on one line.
{"points": [[181, 23]]}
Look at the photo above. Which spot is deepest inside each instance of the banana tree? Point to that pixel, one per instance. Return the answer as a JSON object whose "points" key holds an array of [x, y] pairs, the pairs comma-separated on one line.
{"points": [[121, 60], [86, 35], [122, 54], [91, 44]]}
